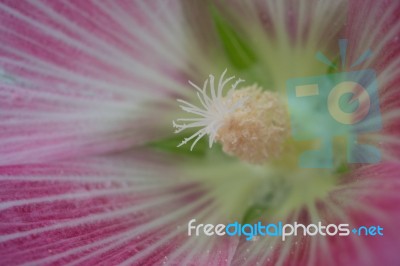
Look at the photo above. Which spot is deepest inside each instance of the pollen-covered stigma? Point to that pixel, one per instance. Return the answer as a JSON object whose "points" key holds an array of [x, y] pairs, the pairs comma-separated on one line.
{"points": [[250, 123]]}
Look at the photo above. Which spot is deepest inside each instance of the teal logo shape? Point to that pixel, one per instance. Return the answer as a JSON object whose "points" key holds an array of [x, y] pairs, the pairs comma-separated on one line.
{"points": [[334, 105]]}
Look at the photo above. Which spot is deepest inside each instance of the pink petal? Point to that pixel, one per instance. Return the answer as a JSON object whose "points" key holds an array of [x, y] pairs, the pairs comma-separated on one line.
{"points": [[374, 199], [369, 198], [83, 77], [131, 209], [375, 25]]}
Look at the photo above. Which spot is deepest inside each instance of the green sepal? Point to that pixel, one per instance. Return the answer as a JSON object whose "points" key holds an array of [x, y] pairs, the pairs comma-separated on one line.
{"points": [[236, 49], [342, 169], [170, 145], [334, 68], [254, 213]]}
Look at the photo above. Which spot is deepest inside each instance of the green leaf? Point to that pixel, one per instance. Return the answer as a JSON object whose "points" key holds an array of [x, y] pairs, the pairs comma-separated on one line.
{"points": [[237, 50]]}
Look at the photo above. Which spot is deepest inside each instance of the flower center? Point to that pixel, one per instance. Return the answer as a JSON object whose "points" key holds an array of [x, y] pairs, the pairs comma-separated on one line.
{"points": [[250, 123], [256, 131]]}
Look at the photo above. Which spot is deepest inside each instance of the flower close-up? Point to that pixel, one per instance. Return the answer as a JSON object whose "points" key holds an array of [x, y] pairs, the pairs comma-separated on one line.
{"points": [[200, 132]]}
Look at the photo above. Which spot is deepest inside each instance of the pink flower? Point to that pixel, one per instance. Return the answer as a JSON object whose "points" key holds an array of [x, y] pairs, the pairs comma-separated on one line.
{"points": [[89, 169]]}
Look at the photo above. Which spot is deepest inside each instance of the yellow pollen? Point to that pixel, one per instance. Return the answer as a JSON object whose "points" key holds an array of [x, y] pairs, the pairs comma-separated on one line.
{"points": [[255, 132]]}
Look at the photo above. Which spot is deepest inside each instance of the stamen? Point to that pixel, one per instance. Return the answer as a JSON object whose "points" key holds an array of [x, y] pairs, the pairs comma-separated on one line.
{"points": [[251, 124], [213, 111]]}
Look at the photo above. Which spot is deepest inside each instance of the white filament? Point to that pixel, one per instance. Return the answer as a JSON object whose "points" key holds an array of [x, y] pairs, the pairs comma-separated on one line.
{"points": [[214, 108]]}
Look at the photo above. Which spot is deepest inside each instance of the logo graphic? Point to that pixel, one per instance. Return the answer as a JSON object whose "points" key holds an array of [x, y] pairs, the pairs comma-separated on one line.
{"points": [[283, 230], [335, 105]]}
